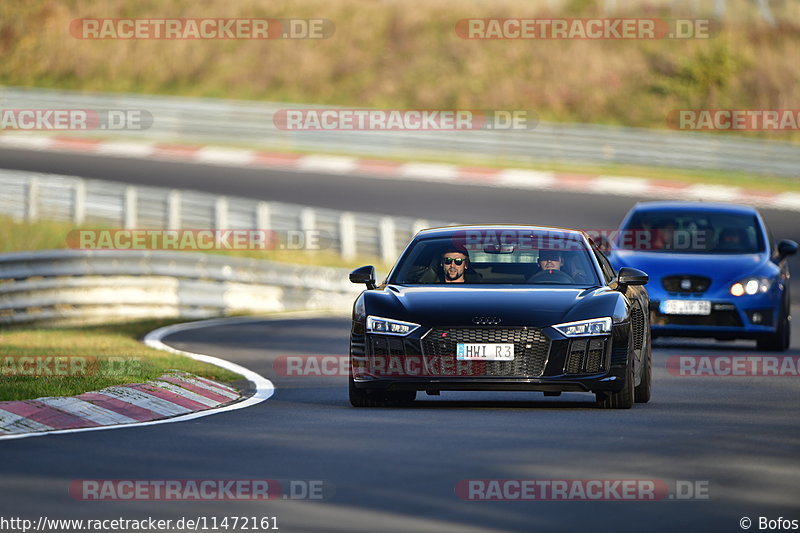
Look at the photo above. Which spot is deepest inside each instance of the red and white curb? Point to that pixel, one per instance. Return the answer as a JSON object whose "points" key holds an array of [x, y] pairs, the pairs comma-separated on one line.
{"points": [[174, 397], [429, 172]]}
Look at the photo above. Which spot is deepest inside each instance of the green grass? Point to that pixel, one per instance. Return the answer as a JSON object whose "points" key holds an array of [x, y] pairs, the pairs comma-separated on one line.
{"points": [[407, 55], [113, 353], [113, 356]]}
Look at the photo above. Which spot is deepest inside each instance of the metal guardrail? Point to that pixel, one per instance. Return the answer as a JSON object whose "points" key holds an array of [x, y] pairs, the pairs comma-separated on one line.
{"points": [[31, 196], [251, 123], [82, 287]]}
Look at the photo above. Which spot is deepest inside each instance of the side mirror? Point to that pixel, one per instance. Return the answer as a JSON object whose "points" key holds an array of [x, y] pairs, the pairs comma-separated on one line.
{"points": [[785, 249], [365, 274], [628, 276]]}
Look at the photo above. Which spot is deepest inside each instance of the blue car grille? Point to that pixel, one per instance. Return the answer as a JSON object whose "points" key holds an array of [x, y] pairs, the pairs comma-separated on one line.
{"points": [[686, 284], [717, 318]]}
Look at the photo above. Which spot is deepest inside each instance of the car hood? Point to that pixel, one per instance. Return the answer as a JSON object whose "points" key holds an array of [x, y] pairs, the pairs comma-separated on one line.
{"points": [[718, 267], [537, 307]]}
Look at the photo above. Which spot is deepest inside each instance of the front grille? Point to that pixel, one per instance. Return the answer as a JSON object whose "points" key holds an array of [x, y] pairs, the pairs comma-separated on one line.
{"points": [[594, 358], [696, 284], [386, 346], [531, 348], [718, 318], [619, 356], [585, 356], [575, 357]]}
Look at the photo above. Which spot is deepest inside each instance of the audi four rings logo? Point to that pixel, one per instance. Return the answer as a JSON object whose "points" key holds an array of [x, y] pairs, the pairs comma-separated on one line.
{"points": [[483, 320]]}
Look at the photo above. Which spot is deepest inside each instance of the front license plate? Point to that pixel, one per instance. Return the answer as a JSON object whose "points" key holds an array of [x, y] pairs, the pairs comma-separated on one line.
{"points": [[484, 352], [686, 307]]}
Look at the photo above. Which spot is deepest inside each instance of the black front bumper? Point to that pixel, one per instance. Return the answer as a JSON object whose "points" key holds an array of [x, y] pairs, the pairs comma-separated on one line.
{"points": [[544, 361]]}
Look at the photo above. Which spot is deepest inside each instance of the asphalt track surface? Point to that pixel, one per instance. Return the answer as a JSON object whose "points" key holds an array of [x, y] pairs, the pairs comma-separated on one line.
{"points": [[397, 469]]}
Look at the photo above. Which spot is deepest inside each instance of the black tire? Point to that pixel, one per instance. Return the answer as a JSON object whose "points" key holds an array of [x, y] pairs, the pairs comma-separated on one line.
{"points": [[624, 399], [642, 392], [782, 338], [401, 398], [374, 398], [361, 397]]}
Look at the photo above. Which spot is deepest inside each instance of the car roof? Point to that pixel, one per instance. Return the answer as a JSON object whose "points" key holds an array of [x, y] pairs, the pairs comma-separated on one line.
{"points": [[695, 206], [449, 231]]}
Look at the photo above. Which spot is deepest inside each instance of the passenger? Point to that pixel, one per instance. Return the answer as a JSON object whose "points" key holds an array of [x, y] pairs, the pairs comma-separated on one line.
{"points": [[663, 234], [731, 240]]}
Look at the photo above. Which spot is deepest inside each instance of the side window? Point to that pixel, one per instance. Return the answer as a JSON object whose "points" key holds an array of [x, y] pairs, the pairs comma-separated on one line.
{"points": [[605, 265]]}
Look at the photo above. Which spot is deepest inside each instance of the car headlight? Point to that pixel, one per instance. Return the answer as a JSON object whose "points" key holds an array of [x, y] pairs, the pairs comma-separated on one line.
{"points": [[584, 328], [389, 326], [751, 286]]}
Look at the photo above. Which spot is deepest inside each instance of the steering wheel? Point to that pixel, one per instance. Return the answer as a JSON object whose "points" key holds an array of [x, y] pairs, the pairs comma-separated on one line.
{"points": [[551, 276]]}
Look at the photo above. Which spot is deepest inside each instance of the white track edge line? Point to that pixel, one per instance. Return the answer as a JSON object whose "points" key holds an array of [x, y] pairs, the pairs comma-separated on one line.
{"points": [[264, 387]]}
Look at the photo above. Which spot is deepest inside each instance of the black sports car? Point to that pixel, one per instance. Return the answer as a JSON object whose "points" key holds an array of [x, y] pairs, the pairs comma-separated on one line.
{"points": [[501, 308]]}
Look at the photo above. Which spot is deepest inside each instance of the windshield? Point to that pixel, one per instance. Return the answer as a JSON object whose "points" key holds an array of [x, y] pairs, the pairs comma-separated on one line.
{"points": [[692, 232], [487, 259]]}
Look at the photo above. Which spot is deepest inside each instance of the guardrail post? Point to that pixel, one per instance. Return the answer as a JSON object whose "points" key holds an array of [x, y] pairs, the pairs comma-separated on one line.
{"points": [[221, 213], [32, 200], [79, 202], [387, 240], [419, 225], [308, 219], [174, 210], [263, 216], [220, 217], [129, 214], [347, 235]]}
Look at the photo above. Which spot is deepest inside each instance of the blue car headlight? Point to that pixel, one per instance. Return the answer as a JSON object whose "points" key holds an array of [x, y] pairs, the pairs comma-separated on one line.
{"points": [[751, 286], [584, 328], [389, 326]]}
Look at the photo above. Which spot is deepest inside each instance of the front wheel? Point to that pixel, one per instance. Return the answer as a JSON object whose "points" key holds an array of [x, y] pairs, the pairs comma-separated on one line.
{"points": [[360, 397], [624, 399], [375, 398], [642, 391], [780, 340]]}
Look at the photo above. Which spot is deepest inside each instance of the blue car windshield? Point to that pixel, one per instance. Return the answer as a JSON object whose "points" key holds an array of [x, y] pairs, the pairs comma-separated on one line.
{"points": [[495, 259], [692, 232]]}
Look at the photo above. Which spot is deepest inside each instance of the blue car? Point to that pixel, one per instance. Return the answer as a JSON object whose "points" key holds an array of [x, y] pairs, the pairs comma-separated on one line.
{"points": [[714, 271]]}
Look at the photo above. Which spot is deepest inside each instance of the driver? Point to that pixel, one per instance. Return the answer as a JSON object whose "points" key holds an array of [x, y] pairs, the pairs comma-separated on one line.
{"points": [[550, 263], [550, 260]]}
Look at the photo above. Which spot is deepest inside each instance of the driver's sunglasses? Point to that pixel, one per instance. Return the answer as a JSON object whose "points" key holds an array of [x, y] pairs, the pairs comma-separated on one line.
{"points": [[457, 260]]}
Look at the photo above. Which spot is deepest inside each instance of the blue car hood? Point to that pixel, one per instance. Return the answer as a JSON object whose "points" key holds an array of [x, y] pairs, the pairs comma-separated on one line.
{"points": [[723, 268]]}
